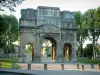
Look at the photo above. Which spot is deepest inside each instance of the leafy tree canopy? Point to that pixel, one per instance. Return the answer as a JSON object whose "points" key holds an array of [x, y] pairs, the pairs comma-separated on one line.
{"points": [[8, 29], [82, 31], [78, 18], [90, 26], [88, 50], [9, 4]]}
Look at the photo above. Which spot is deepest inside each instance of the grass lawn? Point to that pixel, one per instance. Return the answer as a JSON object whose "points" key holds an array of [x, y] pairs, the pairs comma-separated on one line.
{"points": [[7, 62], [89, 61]]}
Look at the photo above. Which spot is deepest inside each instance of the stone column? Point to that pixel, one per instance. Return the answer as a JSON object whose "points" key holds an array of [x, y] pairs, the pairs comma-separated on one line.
{"points": [[22, 54], [37, 51], [21, 45], [22, 48], [74, 57], [59, 53]]}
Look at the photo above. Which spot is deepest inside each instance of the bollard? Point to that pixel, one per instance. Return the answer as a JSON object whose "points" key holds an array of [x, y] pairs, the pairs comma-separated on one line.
{"points": [[82, 67], [45, 66], [98, 66], [13, 65], [29, 66], [92, 66], [62, 66], [77, 66]]}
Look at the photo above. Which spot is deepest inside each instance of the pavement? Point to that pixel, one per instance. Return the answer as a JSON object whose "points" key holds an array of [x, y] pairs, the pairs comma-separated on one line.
{"points": [[53, 66], [48, 72], [52, 69], [56, 66]]}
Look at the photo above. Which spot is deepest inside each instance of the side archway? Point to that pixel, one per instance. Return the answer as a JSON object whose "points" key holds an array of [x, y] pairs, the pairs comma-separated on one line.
{"points": [[67, 51], [28, 52], [32, 49]]}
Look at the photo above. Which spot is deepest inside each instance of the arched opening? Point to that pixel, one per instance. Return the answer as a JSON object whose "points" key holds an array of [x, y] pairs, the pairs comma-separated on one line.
{"points": [[67, 51], [29, 52], [49, 46]]}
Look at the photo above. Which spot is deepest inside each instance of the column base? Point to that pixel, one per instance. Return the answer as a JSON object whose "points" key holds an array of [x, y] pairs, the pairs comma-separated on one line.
{"points": [[60, 59], [22, 60], [73, 60], [37, 59]]}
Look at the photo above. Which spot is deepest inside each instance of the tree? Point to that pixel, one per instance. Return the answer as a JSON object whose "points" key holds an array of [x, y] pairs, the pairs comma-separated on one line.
{"points": [[78, 20], [82, 31], [13, 30], [9, 4], [97, 22], [9, 49], [9, 31], [90, 21], [88, 51], [3, 30]]}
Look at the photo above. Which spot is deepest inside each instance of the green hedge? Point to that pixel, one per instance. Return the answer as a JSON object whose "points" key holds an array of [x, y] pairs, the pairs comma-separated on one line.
{"points": [[89, 61], [8, 60]]}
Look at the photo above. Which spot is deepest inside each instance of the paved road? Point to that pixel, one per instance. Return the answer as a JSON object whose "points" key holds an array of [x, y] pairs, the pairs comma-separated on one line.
{"points": [[51, 72]]}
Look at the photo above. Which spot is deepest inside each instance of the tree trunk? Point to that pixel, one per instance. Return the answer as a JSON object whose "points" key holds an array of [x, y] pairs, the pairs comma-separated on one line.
{"points": [[7, 53], [81, 47], [94, 51]]}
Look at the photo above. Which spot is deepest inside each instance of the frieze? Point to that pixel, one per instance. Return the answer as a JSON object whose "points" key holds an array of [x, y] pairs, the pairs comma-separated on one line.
{"points": [[49, 29], [28, 23]]}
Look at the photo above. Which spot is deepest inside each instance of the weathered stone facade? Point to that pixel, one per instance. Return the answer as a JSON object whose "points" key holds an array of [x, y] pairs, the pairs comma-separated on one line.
{"points": [[48, 23]]}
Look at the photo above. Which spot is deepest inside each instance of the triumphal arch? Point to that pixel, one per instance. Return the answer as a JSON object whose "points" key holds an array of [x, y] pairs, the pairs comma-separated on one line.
{"points": [[52, 24]]}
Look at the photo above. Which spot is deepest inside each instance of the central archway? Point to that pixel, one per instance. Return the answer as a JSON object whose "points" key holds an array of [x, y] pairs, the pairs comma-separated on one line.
{"points": [[52, 49]]}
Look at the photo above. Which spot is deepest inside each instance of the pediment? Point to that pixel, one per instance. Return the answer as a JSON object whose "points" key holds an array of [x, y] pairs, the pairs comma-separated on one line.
{"points": [[49, 28]]}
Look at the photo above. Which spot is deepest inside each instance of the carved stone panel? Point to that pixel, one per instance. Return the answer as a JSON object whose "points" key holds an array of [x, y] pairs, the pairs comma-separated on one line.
{"points": [[29, 23], [49, 29]]}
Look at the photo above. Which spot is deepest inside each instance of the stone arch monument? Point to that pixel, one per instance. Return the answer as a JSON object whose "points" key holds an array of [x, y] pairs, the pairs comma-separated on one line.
{"points": [[52, 24]]}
